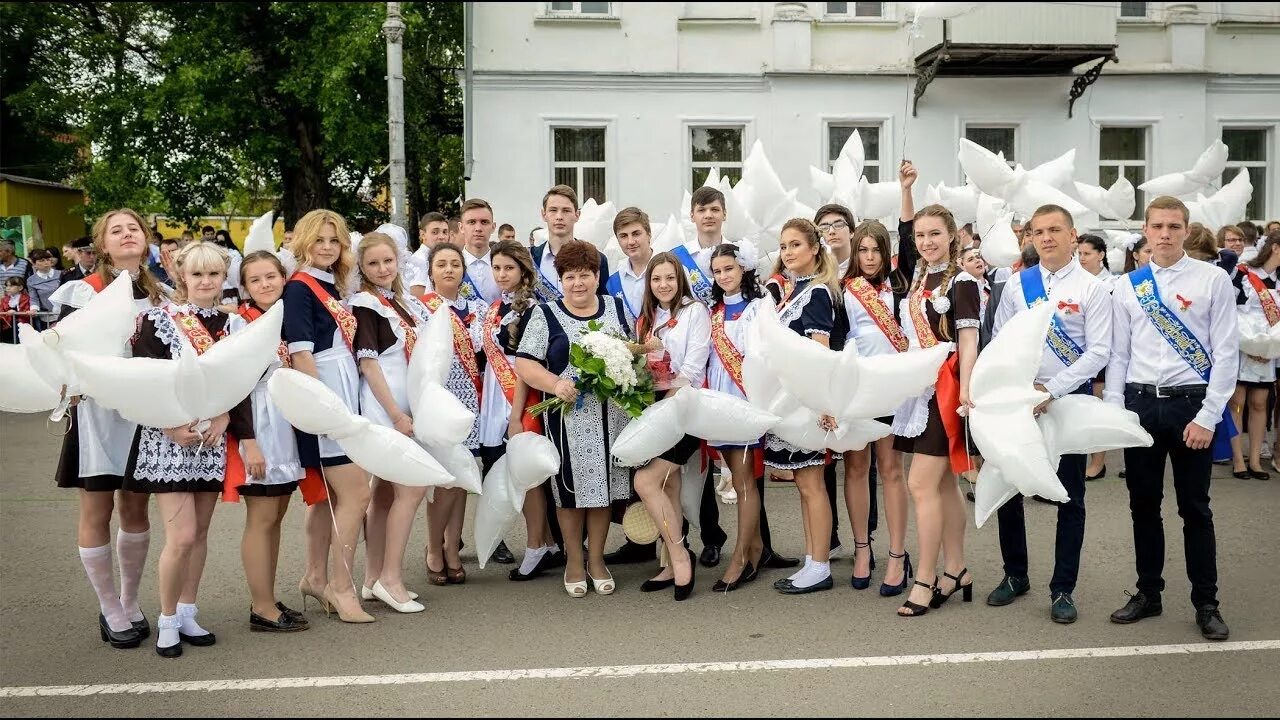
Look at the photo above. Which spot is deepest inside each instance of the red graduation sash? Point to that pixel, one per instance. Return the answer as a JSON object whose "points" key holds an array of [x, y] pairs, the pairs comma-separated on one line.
{"points": [[503, 371], [462, 346], [1268, 300], [342, 316], [867, 296], [410, 335], [915, 306], [728, 353]]}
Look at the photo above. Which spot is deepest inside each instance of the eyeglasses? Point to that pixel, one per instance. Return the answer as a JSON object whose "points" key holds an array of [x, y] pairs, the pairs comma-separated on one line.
{"points": [[837, 225]]}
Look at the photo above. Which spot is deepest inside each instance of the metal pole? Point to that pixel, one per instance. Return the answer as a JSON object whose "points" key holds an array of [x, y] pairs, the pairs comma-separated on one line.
{"points": [[393, 29]]}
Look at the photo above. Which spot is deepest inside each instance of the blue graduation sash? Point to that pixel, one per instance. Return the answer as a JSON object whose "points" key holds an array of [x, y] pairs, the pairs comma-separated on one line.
{"points": [[698, 283], [468, 289], [543, 288], [1058, 340], [1183, 342], [614, 287]]}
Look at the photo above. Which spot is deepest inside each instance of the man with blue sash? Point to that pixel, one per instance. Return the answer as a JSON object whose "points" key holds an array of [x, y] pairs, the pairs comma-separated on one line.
{"points": [[560, 212], [1077, 348], [631, 228], [1179, 317], [476, 227]]}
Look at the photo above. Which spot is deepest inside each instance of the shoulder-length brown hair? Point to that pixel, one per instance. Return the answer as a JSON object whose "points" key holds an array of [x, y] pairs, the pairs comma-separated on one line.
{"points": [[1267, 249], [146, 280], [649, 310]]}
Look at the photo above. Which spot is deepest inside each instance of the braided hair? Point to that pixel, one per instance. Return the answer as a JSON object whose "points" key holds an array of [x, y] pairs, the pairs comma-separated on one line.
{"points": [[953, 261]]}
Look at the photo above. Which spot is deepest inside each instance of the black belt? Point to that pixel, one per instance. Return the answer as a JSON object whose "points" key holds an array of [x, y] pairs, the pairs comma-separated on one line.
{"points": [[1168, 391]]}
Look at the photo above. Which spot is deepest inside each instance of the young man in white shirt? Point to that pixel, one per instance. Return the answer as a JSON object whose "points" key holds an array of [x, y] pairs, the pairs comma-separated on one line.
{"points": [[1077, 348], [707, 211], [1174, 362], [506, 232], [476, 229], [433, 229], [631, 227], [560, 211]]}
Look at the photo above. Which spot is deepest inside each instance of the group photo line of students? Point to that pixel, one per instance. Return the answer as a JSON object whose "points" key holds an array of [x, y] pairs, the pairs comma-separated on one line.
{"points": [[354, 308]]}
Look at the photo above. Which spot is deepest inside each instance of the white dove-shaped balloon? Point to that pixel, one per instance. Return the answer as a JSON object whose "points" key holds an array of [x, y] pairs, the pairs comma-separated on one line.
{"points": [[700, 412], [1000, 247], [1225, 207], [1208, 166], [533, 459], [496, 511], [260, 236], [310, 406], [1115, 203], [439, 417]]}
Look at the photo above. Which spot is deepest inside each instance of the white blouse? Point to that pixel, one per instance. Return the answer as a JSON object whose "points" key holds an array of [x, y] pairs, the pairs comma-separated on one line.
{"points": [[689, 342], [864, 333], [718, 378]]}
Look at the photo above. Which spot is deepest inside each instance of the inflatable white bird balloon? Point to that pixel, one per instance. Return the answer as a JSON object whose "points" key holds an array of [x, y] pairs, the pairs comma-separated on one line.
{"points": [[1225, 207], [1208, 166], [1115, 203]]}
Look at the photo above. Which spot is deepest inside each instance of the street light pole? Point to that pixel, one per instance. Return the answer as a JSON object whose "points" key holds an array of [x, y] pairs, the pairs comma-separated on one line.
{"points": [[393, 29]]}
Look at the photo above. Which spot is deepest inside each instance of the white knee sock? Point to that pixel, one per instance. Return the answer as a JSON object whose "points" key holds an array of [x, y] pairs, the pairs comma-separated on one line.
{"points": [[131, 551], [187, 614], [101, 571], [532, 556], [813, 574], [168, 627]]}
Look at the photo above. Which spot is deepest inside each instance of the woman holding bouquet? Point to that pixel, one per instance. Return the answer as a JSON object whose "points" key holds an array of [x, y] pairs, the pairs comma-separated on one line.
{"points": [[805, 282], [588, 481], [444, 516], [675, 329]]}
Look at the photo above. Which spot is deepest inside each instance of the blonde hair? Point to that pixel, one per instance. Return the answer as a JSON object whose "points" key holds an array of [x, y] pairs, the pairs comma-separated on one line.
{"points": [[953, 259], [367, 243], [828, 269], [199, 255], [146, 280], [307, 231]]}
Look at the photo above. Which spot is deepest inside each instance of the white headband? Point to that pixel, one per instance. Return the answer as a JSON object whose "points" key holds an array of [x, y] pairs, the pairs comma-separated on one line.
{"points": [[1133, 240], [747, 255]]}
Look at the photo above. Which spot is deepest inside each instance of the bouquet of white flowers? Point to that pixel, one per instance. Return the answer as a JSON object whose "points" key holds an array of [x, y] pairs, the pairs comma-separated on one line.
{"points": [[606, 367]]}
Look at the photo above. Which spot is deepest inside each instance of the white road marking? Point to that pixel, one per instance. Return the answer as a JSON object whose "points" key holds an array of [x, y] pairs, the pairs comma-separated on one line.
{"points": [[621, 671]]}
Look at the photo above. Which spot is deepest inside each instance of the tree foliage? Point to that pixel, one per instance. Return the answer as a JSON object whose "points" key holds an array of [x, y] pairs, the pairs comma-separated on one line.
{"points": [[199, 107]]}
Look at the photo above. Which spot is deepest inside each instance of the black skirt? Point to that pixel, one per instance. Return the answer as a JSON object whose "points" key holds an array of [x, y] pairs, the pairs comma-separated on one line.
{"points": [[68, 474], [933, 441], [683, 450], [263, 490]]}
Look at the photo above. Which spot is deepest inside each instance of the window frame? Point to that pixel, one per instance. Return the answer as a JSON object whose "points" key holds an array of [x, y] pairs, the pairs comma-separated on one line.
{"points": [[1140, 203], [1269, 127], [545, 12], [888, 14], [608, 123], [687, 126], [883, 122], [1146, 13], [1019, 151]]}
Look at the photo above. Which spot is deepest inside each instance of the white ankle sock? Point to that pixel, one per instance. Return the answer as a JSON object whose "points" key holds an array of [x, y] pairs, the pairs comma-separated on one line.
{"points": [[187, 614], [551, 548], [813, 574], [131, 551], [168, 627], [532, 556], [808, 560], [101, 571]]}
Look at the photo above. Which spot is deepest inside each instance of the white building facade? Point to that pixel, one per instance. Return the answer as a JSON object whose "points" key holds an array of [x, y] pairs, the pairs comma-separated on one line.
{"points": [[634, 102]]}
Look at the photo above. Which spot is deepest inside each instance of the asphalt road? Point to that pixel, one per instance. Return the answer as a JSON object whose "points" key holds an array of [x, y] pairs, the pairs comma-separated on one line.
{"points": [[443, 662]]}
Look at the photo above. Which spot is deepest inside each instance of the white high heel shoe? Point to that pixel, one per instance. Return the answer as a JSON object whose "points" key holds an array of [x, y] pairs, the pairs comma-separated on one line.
{"points": [[602, 587], [575, 589], [412, 606], [367, 594]]}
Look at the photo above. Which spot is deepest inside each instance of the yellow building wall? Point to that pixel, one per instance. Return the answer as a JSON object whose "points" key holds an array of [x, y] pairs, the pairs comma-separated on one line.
{"points": [[237, 226], [59, 213]]}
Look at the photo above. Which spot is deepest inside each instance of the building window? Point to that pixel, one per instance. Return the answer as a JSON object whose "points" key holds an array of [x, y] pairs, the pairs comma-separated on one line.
{"points": [[579, 161], [1247, 148], [860, 9], [1127, 9], [715, 147], [1123, 150], [997, 139], [579, 8], [838, 135]]}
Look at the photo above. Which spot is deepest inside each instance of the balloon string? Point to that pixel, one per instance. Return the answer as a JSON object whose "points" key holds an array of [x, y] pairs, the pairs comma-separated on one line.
{"points": [[333, 519], [564, 443]]}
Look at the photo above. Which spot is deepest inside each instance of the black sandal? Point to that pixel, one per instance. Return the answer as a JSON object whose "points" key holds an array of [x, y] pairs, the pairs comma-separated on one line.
{"points": [[915, 608], [940, 597]]}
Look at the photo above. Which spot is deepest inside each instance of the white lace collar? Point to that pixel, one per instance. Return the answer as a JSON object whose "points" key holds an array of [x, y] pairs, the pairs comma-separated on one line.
{"points": [[192, 309], [115, 272], [319, 274], [387, 293], [932, 269]]}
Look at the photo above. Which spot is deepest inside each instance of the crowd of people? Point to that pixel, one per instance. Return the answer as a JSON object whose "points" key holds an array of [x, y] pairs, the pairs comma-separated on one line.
{"points": [[354, 308]]}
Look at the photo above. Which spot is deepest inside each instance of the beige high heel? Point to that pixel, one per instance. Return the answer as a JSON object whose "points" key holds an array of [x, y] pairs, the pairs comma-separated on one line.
{"points": [[305, 590], [331, 603]]}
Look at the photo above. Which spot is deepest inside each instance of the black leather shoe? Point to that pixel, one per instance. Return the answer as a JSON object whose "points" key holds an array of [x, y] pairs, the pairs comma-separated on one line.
{"points": [[286, 623], [143, 627], [656, 585], [773, 561], [1063, 609], [172, 651], [292, 613], [122, 640], [710, 556], [204, 640], [1140, 606], [747, 575], [631, 553], [548, 561], [1212, 627], [502, 554], [787, 588], [1008, 589]]}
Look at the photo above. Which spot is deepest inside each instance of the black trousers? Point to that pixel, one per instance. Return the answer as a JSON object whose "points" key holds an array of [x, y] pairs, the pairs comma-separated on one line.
{"points": [[1166, 419], [1070, 535], [709, 514], [490, 455]]}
